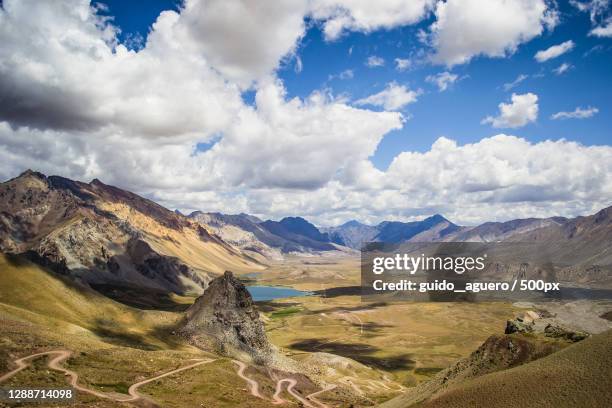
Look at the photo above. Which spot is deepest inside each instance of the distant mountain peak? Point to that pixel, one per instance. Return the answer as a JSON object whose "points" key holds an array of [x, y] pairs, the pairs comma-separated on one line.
{"points": [[352, 224], [294, 219], [437, 218], [31, 173], [297, 223]]}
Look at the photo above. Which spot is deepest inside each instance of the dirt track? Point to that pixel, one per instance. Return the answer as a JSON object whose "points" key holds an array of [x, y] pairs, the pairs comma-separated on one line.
{"points": [[290, 384], [276, 398], [253, 385], [59, 356], [63, 355]]}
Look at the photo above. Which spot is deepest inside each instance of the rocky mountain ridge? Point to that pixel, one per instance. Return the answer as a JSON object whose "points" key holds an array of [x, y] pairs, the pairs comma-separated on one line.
{"points": [[99, 234]]}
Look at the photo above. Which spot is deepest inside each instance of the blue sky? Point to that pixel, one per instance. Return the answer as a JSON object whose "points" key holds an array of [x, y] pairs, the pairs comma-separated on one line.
{"points": [[458, 111], [298, 107]]}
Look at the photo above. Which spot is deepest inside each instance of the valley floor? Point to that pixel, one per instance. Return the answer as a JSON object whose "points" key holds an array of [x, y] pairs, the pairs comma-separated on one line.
{"points": [[362, 353]]}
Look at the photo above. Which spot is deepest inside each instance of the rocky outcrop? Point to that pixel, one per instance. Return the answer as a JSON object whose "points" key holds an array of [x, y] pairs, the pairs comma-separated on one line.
{"points": [[518, 326], [549, 326], [225, 318], [560, 332], [522, 324]]}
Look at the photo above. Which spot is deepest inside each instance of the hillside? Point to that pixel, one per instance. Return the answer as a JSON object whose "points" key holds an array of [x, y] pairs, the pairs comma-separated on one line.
{"points": [[500, 231], [242, 231], [111, 346], [577, 376], [31, 293], [101, 234], [580, 246], [586, 236]]}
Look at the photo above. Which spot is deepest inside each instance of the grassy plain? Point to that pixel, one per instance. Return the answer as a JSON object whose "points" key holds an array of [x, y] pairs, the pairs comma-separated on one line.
{"points": [[407, 341]]}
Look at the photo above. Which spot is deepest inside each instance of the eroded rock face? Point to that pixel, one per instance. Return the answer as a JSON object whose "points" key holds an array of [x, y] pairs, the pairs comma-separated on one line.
{"points": [[518, 326], [226, 318], [548, 326], [557, 331], [100, 234]]}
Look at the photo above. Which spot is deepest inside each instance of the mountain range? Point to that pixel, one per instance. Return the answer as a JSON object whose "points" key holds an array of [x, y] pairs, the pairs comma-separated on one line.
{"points": [[100, 234], [354, 234]]}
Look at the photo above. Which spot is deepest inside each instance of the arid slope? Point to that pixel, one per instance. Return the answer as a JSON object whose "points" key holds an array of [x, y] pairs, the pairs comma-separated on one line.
{"points": [[577, 376]]}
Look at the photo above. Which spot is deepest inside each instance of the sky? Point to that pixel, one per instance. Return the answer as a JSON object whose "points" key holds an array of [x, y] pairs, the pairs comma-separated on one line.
{"points": [[327, 109]]}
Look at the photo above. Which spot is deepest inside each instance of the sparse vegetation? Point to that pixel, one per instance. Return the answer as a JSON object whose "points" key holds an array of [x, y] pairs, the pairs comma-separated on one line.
{"points": [[286, 312]]}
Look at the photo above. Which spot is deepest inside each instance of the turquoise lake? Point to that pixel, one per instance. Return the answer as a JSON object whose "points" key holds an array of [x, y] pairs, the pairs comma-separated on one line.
{"points": [[273, 292]]}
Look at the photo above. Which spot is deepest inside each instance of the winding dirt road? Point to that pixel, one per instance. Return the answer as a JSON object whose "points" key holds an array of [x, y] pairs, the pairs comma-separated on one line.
{"points": [[59, 356], [316, 401], [134, 387], [290, 384], [253, 385], [309, 400], [276, 398]]}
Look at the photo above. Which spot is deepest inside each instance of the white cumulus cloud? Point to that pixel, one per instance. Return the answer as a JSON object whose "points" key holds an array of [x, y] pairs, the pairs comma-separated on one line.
{"points": [[522, 110], [495, 28], [393, 97], [554, 51], [167, 119], [504, 172], [374, 61], [295, 143], [602, 30], [77, 103], [339, 16], [245, 40], [600, 14], [442, 80]]}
